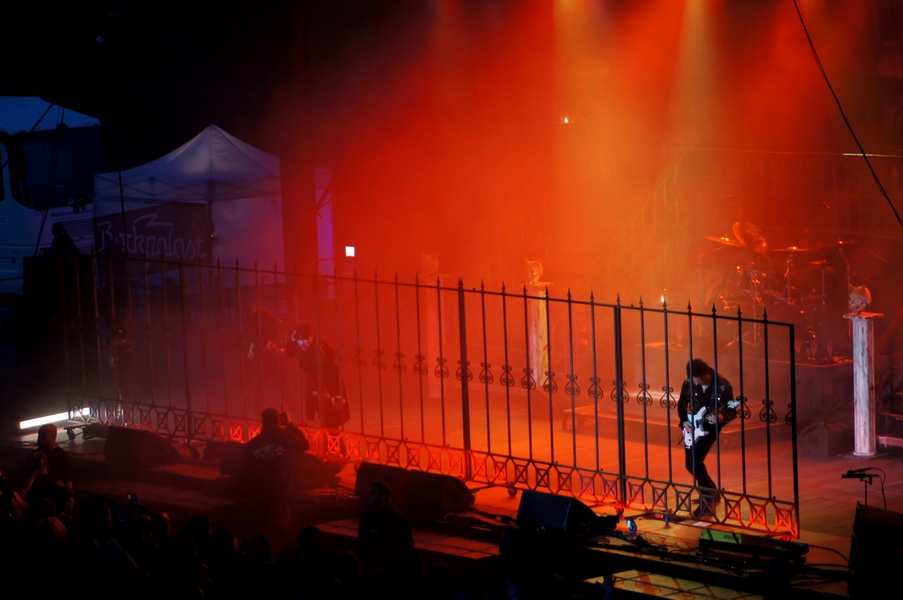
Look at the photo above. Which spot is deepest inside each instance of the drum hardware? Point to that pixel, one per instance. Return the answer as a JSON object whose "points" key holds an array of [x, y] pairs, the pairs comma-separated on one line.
{"points": [[792, 249], [726, 240]]}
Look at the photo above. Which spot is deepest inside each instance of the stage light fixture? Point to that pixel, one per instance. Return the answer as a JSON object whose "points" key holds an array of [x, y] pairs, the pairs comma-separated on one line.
{"points": [[50, 419], [349, 251]]}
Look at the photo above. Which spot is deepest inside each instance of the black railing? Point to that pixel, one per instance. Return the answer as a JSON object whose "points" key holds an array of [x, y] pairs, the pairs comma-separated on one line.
{"points": [[495, 387]]}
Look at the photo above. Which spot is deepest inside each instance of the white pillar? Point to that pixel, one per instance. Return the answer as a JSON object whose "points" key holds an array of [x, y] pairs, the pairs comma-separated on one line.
{"points": [[864, 382]]}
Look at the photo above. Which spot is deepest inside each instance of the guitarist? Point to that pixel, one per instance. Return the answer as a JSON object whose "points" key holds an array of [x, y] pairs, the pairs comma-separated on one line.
{"points": [[703, 388]]}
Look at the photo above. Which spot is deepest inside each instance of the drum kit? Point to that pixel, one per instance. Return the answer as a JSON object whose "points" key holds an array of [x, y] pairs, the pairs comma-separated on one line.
{"points": [[787, 283]]}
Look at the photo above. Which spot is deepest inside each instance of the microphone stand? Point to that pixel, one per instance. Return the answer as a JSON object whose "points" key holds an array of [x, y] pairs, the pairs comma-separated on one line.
{"points": [[865, 478]]}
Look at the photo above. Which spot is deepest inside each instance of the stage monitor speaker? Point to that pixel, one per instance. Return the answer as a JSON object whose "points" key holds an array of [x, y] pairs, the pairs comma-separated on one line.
{"points": [[139, 449], [229, 454], [826, 439], [432, 495], [876, 552], [367, 472], [548, 515], [416, 493]]}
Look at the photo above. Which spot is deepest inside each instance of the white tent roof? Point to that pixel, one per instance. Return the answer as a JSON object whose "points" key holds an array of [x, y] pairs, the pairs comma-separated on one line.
{"points": [[211, 167], [237, 184]]}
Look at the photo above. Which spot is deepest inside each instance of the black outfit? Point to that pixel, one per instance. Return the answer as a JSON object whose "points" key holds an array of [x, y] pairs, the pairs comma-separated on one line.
{"points": [[59, 466], [59, 472], [715, 398], [380, 534], [269, 459], [335, 411]]}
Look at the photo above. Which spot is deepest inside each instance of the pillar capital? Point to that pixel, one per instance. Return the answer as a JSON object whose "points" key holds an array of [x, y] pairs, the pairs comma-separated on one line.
{"points": [[862, 316]]}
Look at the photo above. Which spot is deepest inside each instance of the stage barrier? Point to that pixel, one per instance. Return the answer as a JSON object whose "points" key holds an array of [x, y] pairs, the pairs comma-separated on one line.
{"points": [[506, 387]]}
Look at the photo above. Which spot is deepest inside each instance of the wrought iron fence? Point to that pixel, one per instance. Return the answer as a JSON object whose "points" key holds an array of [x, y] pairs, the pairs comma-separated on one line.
{"points": [[505, 387]]}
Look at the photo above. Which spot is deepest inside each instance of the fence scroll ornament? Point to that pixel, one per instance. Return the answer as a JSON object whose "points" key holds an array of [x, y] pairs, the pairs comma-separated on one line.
{"points": [[507, 379], [572, 388], [767, 414], [667, 400], [441, 370], [595, 390], [462, 370], [528, 383], [486, 376], [744, 411], [191, 338], [550, 385], [399, 365], [620, 392], [644, 397]]}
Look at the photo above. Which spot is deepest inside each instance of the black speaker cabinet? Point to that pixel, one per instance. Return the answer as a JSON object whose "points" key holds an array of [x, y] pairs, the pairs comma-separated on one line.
{"points": [[396, 477], [138, 449], [416, 493], [876, 552], [432, 495], [548, 515]]}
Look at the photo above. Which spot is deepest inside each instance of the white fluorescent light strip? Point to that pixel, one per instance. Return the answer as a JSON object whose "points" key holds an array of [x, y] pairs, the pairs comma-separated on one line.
{"points": [[50, 419]]}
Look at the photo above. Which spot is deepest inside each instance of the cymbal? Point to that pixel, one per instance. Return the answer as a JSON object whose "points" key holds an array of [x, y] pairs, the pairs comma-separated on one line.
{"points": [[725, 239], [751, 236], [793, 249], [839, 243]]}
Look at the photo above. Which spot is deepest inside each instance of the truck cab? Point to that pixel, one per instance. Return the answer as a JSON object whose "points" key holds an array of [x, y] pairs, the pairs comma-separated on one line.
{"points": [[49, 155]]}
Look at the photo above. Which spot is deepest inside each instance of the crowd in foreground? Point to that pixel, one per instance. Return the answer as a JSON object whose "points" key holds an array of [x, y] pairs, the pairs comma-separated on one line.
{"points": [[110, 547]]}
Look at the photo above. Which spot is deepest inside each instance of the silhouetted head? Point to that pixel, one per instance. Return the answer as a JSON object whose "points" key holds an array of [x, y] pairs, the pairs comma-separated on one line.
{"points": [[47, 437], [270, 418], [379, 495]]}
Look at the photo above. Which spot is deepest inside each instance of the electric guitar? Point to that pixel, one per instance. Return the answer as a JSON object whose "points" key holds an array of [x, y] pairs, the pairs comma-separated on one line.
{"points": [[696, 422]]}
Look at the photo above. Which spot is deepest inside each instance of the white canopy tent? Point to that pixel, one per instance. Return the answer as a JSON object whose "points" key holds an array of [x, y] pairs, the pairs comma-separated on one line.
{"points": [[213, 187]]}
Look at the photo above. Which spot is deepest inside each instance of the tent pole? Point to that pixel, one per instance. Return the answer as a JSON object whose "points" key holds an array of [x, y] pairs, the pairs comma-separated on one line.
{"points": [[125, 238]]}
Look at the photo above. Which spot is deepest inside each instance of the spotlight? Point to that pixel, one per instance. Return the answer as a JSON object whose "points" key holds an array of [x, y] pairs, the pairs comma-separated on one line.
{"points": [[349, 251], [50, 419]]}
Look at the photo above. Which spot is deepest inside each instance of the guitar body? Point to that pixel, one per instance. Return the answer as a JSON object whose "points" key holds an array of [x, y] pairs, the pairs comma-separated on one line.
{"points": [[697, 421]]}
